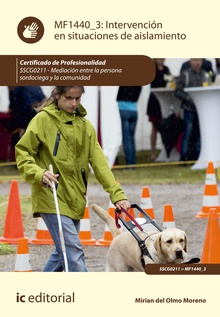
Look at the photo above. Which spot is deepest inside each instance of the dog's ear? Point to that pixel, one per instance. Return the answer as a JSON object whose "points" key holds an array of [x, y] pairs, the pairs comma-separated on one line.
{"points": [[186, 241], [157, 244]]}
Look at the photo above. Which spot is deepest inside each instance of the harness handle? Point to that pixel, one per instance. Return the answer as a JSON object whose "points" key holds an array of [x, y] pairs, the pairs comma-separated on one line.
{"points": [[117, 217], [141, 243], [145, 215]]}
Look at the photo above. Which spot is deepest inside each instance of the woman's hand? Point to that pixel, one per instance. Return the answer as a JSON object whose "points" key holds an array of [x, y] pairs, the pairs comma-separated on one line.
{"points": [[49, 177], [123, 204]]}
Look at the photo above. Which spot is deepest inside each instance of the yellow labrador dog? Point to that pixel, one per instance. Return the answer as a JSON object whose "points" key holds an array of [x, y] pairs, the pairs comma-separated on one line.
{"points": [[124, 254]]}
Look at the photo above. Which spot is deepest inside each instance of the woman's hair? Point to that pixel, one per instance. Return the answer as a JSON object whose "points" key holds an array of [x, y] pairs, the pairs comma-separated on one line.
{"points": [[59, 90]]}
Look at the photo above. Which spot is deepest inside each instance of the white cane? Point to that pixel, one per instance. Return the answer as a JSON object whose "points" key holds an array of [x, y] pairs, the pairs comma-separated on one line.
{"points": [[59, 222]]}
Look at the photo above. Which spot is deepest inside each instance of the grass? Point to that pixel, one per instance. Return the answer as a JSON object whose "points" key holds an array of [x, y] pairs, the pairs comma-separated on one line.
{"points": [[157, 175], [147, 172], [6, 249], [160, 175], [144, 172]]}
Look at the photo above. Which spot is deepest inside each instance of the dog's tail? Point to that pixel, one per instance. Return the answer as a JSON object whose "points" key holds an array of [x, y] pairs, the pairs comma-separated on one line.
{"points": [[109, 220]]}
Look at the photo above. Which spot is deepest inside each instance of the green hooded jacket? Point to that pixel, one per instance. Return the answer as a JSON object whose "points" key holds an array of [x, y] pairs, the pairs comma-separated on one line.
{"points": [[69, 143]]}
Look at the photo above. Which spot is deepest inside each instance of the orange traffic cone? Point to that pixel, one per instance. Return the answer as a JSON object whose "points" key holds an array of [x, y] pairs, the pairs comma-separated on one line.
{"points": [[211, 250], [85, 231], [168, 219], [146, 203], [210, 198], [13, 229], [107, 237], [42, 235], [22, 263]]}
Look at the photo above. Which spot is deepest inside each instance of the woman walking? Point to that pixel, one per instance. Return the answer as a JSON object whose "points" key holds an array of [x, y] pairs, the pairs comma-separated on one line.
{"points": [[61, 135]]}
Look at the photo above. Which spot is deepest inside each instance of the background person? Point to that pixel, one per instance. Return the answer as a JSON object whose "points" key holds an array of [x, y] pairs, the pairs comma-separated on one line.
{"points": [[217, 66], [24, 101], [127, 98], [194, 76], [153, 106], [206, 65]]}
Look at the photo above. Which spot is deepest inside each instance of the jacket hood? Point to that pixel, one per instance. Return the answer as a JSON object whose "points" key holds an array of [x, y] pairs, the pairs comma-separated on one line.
{"points": [[62, 115]]}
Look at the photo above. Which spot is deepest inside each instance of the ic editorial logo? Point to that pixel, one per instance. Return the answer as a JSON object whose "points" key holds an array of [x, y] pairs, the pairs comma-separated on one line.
{"points": [[30, 30]]}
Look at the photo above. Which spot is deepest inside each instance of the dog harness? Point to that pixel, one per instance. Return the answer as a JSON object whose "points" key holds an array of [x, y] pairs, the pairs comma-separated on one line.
{"points": [[130, 225], [144, 249]]}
